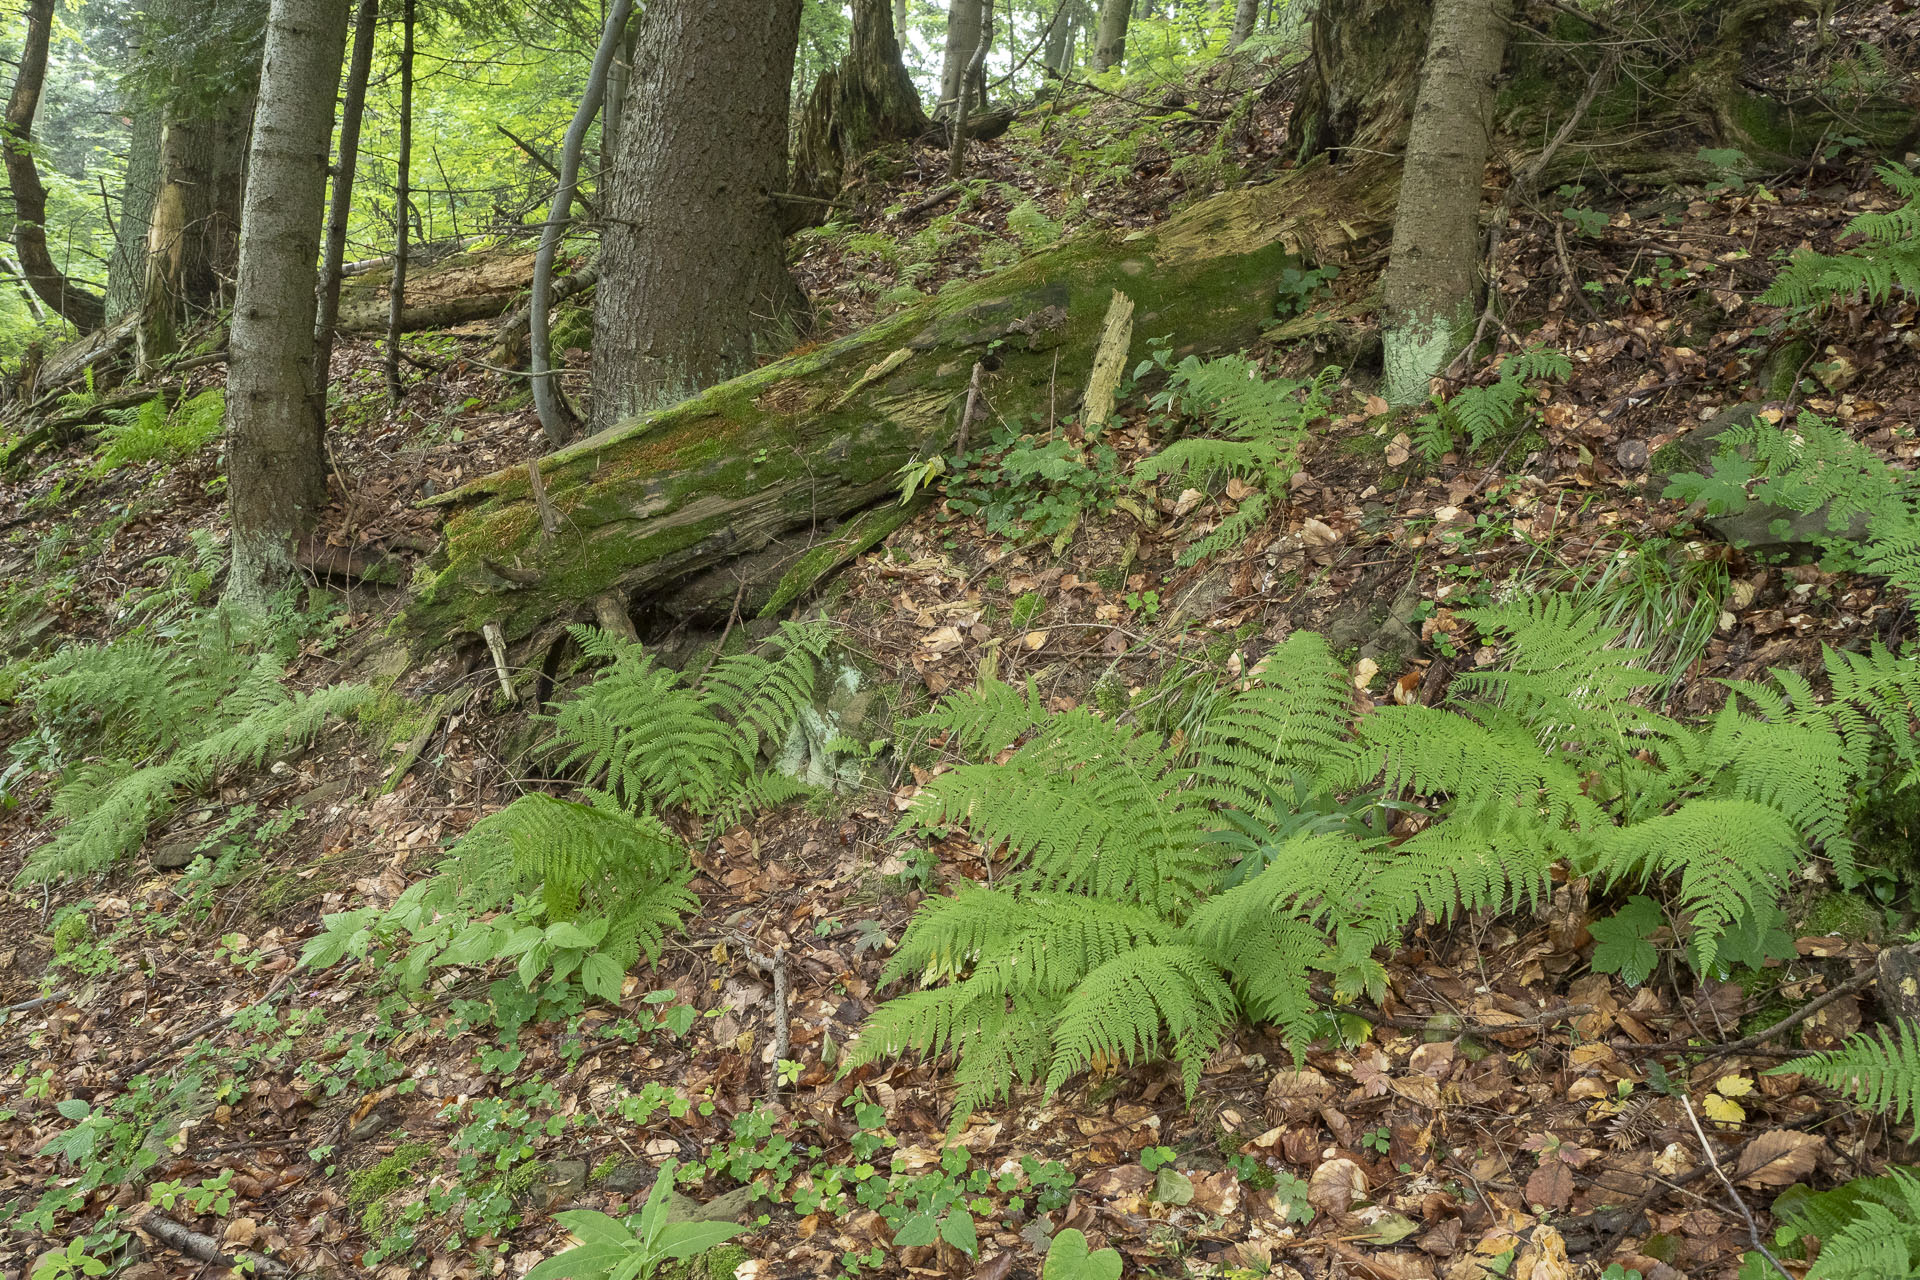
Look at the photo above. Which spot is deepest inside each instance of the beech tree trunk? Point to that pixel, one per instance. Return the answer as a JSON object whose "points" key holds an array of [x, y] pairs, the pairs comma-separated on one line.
{"points": [[675, 509], [84, 309], [402, 198], [1245, 15], [276, 463], [353, 109], [1063, 36], [693, 265], [867, 101], [1432, 285], [964, 20], [1110, 47]]}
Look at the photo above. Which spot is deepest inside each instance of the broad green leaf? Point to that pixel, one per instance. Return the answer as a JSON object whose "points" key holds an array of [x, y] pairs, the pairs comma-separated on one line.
{"points": [[600, 974], [684, 1239], [917, 1230], [1070, 1259], [957, 1230]]}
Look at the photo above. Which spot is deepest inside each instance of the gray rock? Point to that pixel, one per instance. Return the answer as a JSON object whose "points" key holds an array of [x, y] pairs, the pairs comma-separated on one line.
{"points": [[1760, 526]]}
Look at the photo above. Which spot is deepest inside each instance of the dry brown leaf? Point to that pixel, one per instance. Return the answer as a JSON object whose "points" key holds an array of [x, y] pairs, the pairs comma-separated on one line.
{"points": [[1336, 1185], [1550, 1186], [1294, 1094], [1777, 1158]]}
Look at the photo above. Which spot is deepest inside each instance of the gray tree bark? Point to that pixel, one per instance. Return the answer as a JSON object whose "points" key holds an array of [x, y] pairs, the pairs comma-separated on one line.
{"points": [[692, 264], [353, 108], [1432, 283], [276, 464], [193, 227], [402, 198], [1244, 17], [964, 19], [866, 101], [556, 416], [1063, 36], [1110, 47], [127, 269]]}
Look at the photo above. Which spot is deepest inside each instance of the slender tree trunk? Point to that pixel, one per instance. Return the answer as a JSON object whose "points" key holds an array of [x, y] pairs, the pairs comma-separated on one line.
{"points": [[353, 109], [1433, 281], [900, 18], [970, 97], [865, 102], [1244, 17], [275, 452], [1110, 49], [693, 267], [79, 306], [1063, 36], [557, 418], [964, 20], [613, 101], [127, 270], [402, 198]]}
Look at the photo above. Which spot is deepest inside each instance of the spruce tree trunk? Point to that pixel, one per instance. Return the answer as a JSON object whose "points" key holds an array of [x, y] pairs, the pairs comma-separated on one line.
{"points": [[674, 510], [402, 198], [867, 101], [1432, 285], [1110, 47], [81, 307], [127, 270], [693, 266], [964, 19], [276, 464], [353, 109]]}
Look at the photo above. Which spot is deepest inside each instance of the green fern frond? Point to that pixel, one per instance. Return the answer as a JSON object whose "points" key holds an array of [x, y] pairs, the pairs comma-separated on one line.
{"points": [[1492, 770], [981, 722], [761, 696], [1133, 1006], [1296, 717], [1889, 260], [1868, 1228], [1732, 858], [109, 810], [1477, 415], [1453, 867], [1881, 1071]]}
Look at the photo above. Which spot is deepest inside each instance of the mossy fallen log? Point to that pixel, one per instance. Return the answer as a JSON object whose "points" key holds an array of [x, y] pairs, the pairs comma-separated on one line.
{"points": [[774, 459]]}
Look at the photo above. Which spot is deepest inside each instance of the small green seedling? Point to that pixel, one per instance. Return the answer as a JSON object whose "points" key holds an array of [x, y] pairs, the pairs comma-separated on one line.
{"points": [[1070, 1259]]}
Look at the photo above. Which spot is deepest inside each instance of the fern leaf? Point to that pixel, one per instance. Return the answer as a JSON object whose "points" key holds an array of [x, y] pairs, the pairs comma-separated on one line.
{"points": [[1129, 1007], [1880, 1071]]}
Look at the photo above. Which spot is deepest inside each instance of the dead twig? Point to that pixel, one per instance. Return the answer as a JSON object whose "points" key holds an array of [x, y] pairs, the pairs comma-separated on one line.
{"points": [[1753, 1228], [775, 966], [25, 1005], [1858, 982], [196, 1244]]}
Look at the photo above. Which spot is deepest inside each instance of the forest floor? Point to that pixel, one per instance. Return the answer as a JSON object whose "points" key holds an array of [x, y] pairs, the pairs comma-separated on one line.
{"points": [[1489, 1119]]}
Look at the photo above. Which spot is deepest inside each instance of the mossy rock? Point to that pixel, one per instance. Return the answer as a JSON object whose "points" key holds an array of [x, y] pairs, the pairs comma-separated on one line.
{"points": [[1842, 915], [1760, 526]]}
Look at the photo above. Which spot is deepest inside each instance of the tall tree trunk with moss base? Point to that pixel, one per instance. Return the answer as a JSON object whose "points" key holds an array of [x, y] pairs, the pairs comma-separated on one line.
{"points": [[1432, 286], [80, 306], [964, 18], [867, 101], [693, 268], [276, 477]]}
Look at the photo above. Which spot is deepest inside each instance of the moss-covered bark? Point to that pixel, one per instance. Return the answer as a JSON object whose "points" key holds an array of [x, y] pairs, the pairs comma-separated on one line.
{"points": [[794, 446]]}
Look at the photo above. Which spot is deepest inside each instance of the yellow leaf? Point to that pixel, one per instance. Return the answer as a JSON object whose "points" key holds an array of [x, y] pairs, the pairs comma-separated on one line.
{"points": [[1734, 1086], [1725, 1110]]}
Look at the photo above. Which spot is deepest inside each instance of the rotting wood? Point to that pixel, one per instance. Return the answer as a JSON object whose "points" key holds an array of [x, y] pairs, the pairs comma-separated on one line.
{"points": [[1109, 361], [767, 459]]}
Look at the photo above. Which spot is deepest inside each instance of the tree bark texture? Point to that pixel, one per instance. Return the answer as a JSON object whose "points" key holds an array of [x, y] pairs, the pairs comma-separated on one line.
{"points": [[127, 269], [1360, 85], [193, 228], [964, 20], [81, 307], [1432, 286], [1110, 46], [1245, 15], [693, 265], [867, 101], [276, 463], [353, 109], [557, 418], [402, 200], [664, 508], [1064, 36]]}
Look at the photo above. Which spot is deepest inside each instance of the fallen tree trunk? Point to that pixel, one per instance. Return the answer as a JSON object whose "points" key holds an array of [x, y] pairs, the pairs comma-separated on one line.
{"points": [[478, 285], [752, 474]]}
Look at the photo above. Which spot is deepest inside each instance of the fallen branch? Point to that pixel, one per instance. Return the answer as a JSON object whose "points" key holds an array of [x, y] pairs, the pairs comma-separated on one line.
{"points": [[25, 1005], [1753, 1228], [196, 1244], [1857, 982], [776, 966]]}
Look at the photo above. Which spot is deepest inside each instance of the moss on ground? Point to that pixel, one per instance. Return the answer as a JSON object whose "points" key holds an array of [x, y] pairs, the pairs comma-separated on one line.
{"points": [[368, 1189]]}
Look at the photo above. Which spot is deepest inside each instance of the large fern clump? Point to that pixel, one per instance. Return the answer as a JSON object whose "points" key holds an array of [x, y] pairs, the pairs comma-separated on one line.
{"points": [[1120, 926], [1887, 261], [156, 431], [1255, 427], [154, 717]]}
